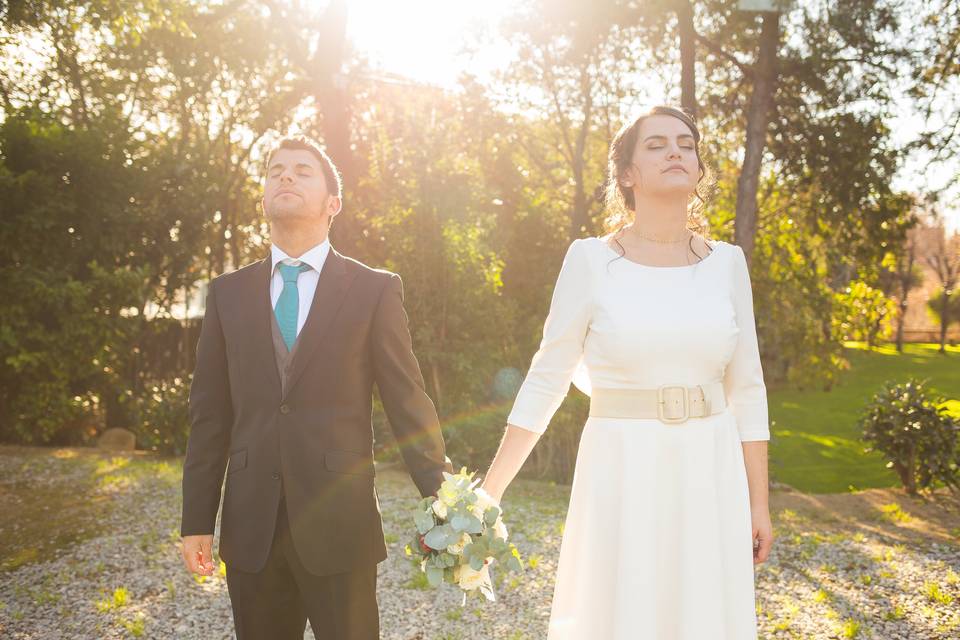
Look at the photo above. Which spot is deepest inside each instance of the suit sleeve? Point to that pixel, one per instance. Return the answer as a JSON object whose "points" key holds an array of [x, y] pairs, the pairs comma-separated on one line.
{"points": [[211, 417], [564, 331], [412, 415], [743, 376]]}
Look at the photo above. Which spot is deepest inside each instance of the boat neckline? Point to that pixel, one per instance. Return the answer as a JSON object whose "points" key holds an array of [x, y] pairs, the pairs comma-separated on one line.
{"points": [[714, 247]]}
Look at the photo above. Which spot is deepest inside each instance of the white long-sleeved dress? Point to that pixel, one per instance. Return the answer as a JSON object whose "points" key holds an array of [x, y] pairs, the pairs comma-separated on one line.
{"points": [[657, 543]]}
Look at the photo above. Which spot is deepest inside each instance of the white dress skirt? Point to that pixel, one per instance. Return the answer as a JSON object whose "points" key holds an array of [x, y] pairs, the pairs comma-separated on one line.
{"points": [[657, 543]]}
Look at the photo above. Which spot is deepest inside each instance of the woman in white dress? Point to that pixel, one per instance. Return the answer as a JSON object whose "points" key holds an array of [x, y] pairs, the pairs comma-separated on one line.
{"points": [[668, 508]]}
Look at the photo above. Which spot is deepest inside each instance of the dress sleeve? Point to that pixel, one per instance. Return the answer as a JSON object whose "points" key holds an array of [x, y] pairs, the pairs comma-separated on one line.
{"points": [[561, 348], [743, 377]]}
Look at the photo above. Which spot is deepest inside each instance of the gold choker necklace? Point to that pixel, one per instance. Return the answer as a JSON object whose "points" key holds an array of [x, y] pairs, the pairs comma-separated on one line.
{"points": [[659, 241]]}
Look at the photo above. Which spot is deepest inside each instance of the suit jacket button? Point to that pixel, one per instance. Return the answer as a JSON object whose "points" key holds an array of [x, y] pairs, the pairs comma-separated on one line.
{"points": [[284, 409], [275, 475]]}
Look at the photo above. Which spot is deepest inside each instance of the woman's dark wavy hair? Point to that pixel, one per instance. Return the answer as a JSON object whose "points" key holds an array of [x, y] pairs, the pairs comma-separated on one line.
{"points": [[619, 199]]}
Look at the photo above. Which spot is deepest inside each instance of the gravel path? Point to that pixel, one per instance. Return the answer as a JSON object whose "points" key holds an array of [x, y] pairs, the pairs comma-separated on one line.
{"points": [[118, 574]]}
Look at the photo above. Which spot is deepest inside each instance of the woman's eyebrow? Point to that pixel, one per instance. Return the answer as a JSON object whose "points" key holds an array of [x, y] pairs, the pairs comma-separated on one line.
{"points": [[685, 136]]}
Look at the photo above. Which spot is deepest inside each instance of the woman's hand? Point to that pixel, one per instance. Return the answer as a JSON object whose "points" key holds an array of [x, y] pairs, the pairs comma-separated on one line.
{"points": [[495, 497], [762, 534]]}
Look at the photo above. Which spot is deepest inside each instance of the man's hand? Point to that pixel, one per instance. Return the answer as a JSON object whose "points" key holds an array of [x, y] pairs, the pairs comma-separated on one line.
{"points": [[198, 554]]}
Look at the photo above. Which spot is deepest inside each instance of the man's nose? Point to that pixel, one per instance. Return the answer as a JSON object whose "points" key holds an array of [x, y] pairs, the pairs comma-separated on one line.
{"points": [[286, 178]]}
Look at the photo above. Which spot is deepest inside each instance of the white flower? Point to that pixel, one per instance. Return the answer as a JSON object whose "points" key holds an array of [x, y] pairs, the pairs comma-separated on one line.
{"points": [[484, 499], [448, 494], [440, 508], [457, 547], [500, 529], [471, 580]]}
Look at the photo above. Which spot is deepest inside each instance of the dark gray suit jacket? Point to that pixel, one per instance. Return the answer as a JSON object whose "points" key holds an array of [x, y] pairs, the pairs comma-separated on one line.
{"points": [[312, 441]]}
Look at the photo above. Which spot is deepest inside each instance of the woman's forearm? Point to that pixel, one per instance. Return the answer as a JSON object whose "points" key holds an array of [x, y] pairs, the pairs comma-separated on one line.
{"points": [[516, 445], [755, 460]]}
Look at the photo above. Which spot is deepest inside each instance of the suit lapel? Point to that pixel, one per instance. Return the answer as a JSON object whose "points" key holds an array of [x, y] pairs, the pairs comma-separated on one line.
{"points": [[331, 290], [262, 338]]}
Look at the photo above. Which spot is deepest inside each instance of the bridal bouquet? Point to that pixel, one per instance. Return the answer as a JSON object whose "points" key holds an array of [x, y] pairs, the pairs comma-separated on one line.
{"points": [[460, 534]]}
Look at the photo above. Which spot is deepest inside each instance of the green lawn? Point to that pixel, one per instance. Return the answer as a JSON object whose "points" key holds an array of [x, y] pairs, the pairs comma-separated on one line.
{"points": [[815, 444]]}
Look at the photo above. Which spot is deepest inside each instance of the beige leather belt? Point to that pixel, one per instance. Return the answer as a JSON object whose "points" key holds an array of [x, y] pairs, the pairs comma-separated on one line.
{"points": [[670, 403]]}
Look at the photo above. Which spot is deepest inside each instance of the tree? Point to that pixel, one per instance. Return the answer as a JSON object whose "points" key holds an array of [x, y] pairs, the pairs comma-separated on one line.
{"points": [[571, 72], [905, 275], [936, 79], [66, 234], [140, 123], [943, 258]]}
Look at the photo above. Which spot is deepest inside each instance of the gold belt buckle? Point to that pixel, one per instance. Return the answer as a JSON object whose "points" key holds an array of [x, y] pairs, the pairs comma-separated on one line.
{"points": [[662, 401]]}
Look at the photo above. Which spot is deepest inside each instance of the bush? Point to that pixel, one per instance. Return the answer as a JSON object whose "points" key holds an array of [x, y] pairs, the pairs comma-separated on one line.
{"points": [[163, 423], [915, 433]]}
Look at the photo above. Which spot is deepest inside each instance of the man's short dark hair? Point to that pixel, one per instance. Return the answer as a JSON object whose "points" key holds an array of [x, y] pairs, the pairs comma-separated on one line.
{"points": [[331, 174]]}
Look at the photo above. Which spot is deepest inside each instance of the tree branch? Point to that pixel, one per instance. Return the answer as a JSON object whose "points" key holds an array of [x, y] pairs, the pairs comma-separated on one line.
{"points": [[718, 50]]}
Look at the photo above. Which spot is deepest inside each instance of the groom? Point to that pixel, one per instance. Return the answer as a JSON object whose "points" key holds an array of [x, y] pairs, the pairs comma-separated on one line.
{"points": [[281, 400]]}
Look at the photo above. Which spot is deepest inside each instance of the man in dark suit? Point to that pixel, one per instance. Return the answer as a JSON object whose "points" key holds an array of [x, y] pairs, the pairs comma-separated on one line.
{"points": [[281, 400]]}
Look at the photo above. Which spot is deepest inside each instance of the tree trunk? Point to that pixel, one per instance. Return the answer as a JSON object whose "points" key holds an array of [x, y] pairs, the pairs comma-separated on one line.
{"points": [[900, 322], [944, 320], [331, 94], [580, 216], [688, 75], [758, 118]]}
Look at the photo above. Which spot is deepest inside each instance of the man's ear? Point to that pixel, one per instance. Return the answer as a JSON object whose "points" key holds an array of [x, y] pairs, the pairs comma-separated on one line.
{"points": [[334, 206]]}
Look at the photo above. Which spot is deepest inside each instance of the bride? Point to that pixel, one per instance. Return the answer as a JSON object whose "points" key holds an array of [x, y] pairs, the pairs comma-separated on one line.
{"points": [[669, 504]]}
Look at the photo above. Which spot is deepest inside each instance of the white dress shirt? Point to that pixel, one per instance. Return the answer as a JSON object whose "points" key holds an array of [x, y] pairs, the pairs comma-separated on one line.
{"points": [[306, 281]]}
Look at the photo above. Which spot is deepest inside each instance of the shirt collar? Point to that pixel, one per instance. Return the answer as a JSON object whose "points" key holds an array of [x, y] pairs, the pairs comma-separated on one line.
{"points": [[315, 256]]}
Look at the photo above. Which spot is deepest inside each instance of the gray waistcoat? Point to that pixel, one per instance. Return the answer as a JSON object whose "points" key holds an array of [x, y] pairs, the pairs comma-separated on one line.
{"points": [[284, 357], [284, 360]]}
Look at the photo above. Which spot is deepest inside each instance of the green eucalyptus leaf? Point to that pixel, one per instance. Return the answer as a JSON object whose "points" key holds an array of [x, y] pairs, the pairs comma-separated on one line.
{"points": [[439, 537], [434, 576]]}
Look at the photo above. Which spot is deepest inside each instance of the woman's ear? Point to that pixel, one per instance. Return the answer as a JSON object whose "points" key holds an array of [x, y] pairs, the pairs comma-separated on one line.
{"points": [[626, 180]]}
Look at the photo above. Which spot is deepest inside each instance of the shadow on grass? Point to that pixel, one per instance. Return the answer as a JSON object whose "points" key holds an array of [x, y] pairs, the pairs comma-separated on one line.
{"points": [[55, 498]]}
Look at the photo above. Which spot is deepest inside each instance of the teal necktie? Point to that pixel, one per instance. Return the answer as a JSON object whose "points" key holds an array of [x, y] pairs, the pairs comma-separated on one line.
{"points": [[288, 304]]}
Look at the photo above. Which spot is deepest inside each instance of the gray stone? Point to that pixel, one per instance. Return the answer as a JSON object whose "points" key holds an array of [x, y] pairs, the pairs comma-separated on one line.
{"points": [[117, 439]]}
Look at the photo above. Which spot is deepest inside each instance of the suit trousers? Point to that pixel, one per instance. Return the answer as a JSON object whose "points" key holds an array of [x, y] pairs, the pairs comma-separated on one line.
{"points": [[276, 602]]}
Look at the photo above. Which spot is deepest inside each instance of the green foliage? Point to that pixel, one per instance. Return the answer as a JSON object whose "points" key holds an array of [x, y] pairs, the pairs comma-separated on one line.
{"points": [[129, 176], [67, 223], [162, 421], [430, 218], [793, 302], [916, 434], [864, 313], [935, 306]]}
